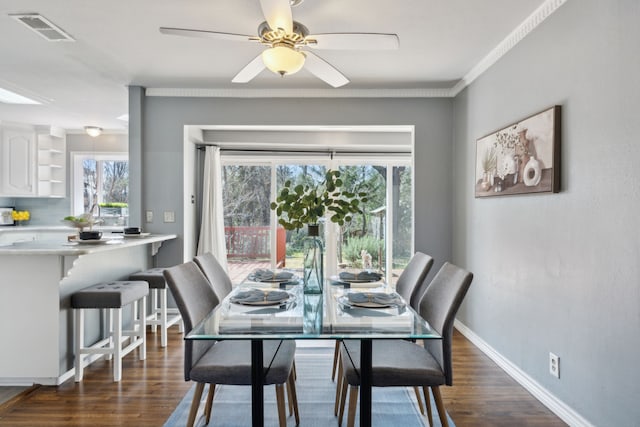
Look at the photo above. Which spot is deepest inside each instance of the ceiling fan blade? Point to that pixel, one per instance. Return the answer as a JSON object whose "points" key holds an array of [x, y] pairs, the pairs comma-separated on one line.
{"points": [[250, 70], [278, 14], [204, 34], [355, 41], [323, 70]]}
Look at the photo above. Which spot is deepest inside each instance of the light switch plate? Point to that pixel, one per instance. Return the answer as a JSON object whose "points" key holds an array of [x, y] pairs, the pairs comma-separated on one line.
{"points": [[149, 216], [169, 216]]}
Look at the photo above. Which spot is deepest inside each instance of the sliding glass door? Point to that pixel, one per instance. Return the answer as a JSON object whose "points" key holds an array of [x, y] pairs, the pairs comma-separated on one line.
{"points": [[380, 238], [304, 174], [247, 217]]}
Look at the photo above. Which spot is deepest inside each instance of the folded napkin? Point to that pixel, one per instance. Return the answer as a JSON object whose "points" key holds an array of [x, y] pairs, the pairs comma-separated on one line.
{"points": [[368, 276], [380, 298], [257, 296], [262, 275]]}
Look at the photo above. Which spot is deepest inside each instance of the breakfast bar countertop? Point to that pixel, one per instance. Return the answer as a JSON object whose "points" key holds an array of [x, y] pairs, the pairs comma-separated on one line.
{"points": [[61, 247], [41, 271]]}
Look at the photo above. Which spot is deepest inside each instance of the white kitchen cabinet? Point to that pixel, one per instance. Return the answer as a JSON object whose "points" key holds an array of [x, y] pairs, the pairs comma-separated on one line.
{"points": [[33, 160], [18, 160]]}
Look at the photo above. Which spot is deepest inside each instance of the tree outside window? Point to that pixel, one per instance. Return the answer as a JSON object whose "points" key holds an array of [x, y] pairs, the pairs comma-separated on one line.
{"points": [[101, 186]]}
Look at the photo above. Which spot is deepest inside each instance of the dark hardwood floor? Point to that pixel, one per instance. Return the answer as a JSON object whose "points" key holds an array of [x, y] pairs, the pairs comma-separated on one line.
{"points": [[482, 395]]}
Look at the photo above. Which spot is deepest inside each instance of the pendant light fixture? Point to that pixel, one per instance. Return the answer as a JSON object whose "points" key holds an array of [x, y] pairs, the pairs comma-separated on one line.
{"points": [[93, 131]]}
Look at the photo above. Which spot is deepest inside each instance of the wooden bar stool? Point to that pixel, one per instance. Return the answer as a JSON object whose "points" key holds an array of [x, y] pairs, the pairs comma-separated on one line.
{"points": [[160, 315], [111, 297]]}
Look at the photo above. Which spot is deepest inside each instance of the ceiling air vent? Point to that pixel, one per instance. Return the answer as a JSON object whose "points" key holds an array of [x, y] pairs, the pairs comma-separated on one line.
{"points": [[43, 27]]}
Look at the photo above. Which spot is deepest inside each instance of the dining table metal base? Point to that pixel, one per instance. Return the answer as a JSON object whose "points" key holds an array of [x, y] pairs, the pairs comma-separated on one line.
{"points": [[365, 382], [257, 382]]}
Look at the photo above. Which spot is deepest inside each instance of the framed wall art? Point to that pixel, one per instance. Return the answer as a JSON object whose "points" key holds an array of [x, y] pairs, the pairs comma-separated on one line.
{"points": [[521, 158]]}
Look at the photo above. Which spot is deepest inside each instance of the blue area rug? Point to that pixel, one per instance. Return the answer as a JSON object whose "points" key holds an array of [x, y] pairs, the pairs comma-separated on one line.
{"points": [[392, 406]]}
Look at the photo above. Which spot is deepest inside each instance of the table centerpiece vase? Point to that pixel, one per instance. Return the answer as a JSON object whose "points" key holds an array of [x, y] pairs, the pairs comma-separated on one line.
{"points": [[313, 274]]}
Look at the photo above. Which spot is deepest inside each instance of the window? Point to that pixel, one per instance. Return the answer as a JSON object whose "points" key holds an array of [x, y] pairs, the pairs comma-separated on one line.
{"points": [[384, 229], [299, 173], [246, 198], [100, 181]]}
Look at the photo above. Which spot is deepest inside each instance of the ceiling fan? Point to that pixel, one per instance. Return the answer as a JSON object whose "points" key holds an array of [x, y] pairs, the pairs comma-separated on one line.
{"points": [[285, 39]]}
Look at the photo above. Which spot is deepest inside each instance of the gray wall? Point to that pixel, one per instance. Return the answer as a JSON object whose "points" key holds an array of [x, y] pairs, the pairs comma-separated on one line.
{"points": [[50, 211], [162, 145], [561, 272]]}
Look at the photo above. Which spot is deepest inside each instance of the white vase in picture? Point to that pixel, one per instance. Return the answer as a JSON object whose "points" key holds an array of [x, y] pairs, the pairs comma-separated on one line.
{"points": [[532, 173]]}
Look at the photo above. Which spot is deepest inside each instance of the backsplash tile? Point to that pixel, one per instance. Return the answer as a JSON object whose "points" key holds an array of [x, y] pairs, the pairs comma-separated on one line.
{"points": [[44, 211]]}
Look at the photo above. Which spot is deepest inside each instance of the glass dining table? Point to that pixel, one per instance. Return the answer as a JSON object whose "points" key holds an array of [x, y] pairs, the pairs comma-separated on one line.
{"points": [[260, 311]]}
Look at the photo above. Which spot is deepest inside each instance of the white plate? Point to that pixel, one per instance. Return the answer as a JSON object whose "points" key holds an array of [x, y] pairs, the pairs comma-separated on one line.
{"points": [[136, 235]]}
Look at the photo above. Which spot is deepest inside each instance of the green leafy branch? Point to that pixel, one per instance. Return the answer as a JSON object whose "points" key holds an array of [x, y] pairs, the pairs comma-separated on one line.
{"points": [[305, 204]]}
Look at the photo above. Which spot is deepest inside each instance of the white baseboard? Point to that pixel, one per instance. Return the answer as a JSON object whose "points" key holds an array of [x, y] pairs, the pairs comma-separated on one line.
{"points": [[557, 406], [24, 381], [29, 381]]}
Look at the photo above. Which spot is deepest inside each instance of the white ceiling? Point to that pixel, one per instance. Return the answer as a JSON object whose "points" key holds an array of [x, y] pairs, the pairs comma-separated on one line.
{"points": [[118, 44]]}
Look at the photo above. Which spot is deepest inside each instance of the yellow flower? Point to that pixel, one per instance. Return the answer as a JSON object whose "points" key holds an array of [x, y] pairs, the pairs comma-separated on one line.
{"points": [[20, 215]]}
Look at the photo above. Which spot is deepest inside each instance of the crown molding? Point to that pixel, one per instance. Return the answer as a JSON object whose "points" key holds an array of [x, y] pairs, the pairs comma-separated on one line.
{"points": [[300, 93], [508, 43], [520, 32]]}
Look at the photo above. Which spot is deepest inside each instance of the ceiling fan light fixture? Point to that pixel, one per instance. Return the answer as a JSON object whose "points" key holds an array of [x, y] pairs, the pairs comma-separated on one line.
{"points": [[283, 60], [93, 131]]}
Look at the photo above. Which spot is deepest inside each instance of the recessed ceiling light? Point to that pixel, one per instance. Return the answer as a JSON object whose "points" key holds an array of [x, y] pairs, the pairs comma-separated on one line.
{"points": [[9, 97]]}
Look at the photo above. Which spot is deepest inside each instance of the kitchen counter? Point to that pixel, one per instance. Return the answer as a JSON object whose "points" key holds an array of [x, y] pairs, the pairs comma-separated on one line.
{"points": [[22, 233], [60, 245], [37, 279], [61, 227]]}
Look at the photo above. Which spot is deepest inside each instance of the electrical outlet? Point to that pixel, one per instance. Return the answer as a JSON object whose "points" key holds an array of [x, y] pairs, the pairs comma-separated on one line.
{"points": [[149, 216], [169, 216], [554, 365]]}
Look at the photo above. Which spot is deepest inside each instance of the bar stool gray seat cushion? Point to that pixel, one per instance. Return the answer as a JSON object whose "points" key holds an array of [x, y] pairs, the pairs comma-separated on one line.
{"points": [[110, 294], [153, 276]]}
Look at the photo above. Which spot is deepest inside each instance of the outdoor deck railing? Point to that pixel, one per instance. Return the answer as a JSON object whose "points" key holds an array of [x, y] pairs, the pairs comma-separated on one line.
{"points": [[246, 242]]}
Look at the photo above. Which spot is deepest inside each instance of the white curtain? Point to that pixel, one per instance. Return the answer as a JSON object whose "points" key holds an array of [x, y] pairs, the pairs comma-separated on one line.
{"points": [[212, 228]]}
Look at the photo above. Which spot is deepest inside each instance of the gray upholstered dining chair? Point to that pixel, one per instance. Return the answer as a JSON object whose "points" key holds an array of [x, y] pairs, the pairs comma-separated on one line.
{"points": [[214, 272], [223, 362], [409, 286], [222, 286], [403, 363]]}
